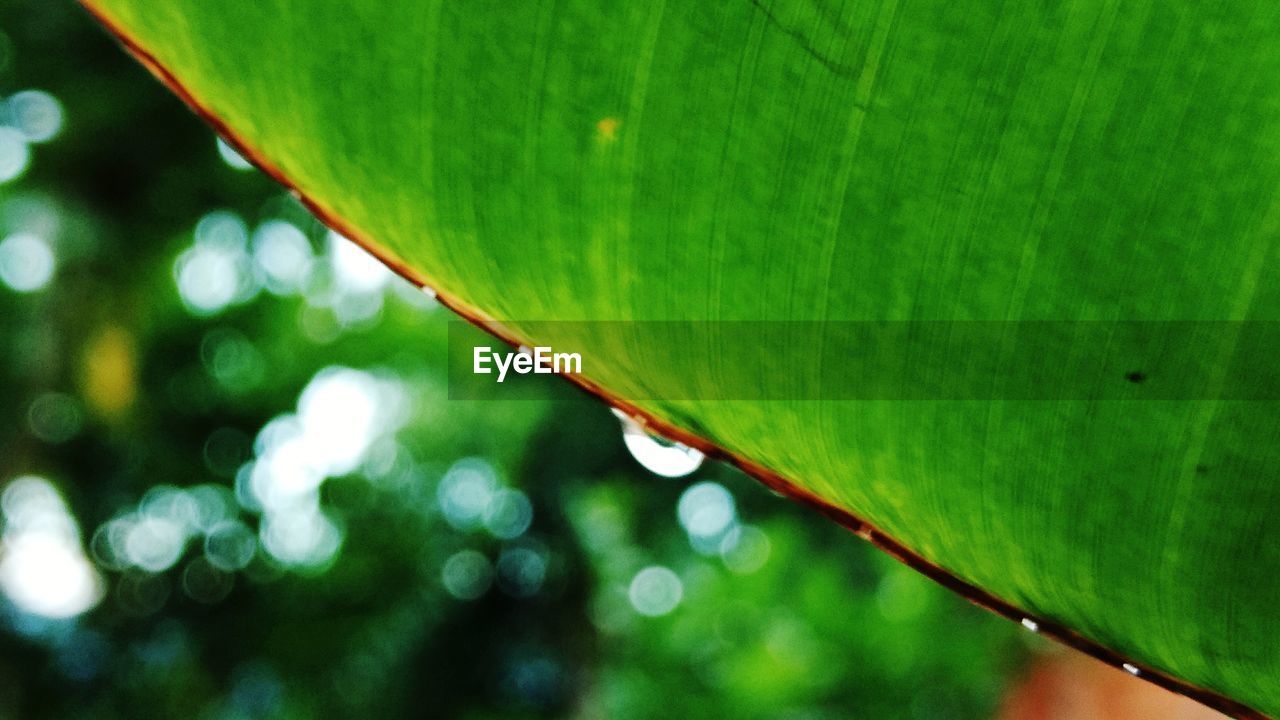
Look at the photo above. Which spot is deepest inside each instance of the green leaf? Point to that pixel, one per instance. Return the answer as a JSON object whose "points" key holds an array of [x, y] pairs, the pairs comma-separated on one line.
{"points": [[1033, 179]]}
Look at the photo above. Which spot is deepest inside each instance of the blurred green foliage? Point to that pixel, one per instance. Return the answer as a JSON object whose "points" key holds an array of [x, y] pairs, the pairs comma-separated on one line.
{"points": [[461, 559]]}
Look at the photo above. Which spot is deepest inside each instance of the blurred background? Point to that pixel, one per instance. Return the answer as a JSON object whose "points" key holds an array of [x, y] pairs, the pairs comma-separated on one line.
{"points": [[232, 485]]}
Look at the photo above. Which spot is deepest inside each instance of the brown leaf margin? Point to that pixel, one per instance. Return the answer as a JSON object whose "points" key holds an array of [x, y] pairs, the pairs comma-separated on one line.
{"points": [[1043, 626]]}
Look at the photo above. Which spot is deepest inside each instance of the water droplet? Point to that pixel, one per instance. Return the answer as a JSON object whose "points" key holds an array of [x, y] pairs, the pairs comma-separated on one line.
{"points": [[659, 455], [231, 157]]}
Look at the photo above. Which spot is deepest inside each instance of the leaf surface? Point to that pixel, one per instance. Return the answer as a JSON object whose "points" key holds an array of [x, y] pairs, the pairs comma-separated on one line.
{"points": [[1081, 197]]}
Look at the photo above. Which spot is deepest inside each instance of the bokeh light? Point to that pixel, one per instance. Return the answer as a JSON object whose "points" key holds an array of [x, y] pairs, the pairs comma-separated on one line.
{"points": [[521, 571], [216, 270], [508, 514], [43, 569], [355, 270], [55, 417], [655, 591], [707, 512], [302, 536], [154, 544], [27, 263], [465, 492], [204, 582], [467, 575], [36, 114], [745, 549], [14, 154], [232, 359], [283, 256], [341, 413], [230, 545]]}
